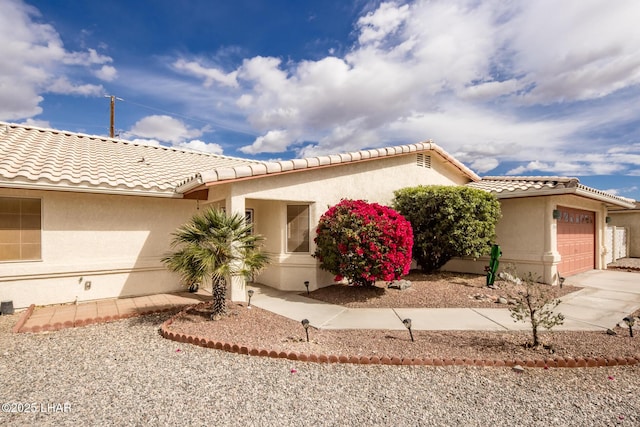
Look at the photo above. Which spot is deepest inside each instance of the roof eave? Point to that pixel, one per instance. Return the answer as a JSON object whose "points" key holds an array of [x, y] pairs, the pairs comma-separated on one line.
{"points": [[95, 190], [609, 200], [583, 192]]}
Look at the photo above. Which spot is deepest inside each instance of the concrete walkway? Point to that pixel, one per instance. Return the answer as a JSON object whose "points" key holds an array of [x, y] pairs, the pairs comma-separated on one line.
{"points": [[607, 297]]}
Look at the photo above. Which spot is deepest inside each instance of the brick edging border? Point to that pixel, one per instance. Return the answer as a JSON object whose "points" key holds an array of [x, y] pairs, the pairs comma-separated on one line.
{"points": [[23, 319], [19, 327], [557, 362]]}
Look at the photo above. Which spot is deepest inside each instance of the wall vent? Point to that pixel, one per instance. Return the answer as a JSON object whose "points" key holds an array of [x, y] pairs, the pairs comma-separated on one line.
{"points": [[423, 160]]}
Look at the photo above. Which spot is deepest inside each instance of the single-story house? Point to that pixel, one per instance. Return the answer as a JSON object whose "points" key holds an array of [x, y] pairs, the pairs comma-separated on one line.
{"points": [[551, 226], [630, 220], [87, 217]]}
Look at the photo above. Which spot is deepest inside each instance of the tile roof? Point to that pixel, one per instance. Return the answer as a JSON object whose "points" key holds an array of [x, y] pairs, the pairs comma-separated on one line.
{"points": [[284, 166], [528, 186], [33, 157]]}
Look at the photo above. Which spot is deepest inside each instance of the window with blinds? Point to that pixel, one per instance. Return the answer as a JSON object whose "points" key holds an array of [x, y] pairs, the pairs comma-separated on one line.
{"points": [[20, 229]]}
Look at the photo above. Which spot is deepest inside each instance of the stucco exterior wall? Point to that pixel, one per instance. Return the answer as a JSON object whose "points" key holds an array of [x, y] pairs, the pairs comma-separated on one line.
{"points": [[374, 181], [631, 221], [113, 242], [527, 235]]}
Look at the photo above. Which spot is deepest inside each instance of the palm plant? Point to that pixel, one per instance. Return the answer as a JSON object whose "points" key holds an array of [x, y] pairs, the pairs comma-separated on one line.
{"points": [[217, 246]]}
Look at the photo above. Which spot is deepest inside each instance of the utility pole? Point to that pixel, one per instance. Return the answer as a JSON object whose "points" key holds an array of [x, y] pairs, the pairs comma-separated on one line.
{"points": [[112, 121]]}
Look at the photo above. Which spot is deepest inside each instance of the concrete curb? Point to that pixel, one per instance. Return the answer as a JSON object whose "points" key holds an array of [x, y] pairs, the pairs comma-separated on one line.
{"points": [[557, 362]]}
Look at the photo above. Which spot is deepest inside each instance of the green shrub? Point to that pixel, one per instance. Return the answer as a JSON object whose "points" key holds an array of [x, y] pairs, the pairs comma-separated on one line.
{"points": [[448, 222]]}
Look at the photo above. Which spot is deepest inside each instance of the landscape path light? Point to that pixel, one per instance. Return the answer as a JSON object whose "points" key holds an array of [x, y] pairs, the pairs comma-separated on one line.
{"points": [[306, 284], [250, 293], [305, 325], [629, 320], [407, 324]]}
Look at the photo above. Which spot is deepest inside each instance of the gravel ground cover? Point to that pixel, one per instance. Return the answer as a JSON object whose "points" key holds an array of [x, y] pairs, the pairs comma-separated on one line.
{"points": [[256, 328], [438, 290], [123, 373], [260, 329]]}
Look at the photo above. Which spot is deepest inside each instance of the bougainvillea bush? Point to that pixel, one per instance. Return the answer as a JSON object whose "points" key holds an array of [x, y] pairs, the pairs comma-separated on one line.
{"points": [[364, 242]]}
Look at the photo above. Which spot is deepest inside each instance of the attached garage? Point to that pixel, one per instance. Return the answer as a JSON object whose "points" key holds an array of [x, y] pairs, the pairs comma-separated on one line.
{"points": [[576, 240], [550, 227]]}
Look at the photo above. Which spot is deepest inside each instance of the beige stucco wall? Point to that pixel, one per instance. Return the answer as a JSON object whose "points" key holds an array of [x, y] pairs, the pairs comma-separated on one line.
{"points": [[114, 242], [527, 235], [631, 221], [374, 181]]}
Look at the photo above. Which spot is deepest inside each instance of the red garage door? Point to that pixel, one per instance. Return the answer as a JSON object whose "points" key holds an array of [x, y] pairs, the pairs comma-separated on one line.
{"points": [[576, 241]]}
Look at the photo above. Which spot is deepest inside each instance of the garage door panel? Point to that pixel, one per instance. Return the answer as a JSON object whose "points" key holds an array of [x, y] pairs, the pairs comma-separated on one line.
{"points": [[576, 240]]}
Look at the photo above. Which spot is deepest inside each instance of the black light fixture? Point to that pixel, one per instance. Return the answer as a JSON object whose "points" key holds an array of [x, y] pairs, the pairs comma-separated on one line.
{"points": [[607, 220], [556, 214], [306, 283], [250, 293], [561, 281], [305, 325], [629, 320], [407, 324]]}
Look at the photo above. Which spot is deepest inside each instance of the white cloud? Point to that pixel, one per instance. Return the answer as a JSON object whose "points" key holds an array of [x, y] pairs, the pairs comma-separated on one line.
{"points": [[274, 141], [198, 145], [38, 123], [90, 57], [106, 73], [585, 49], [484, 164], [490, 90], [194, 145], [64, 86], [35, 62], [164, 128], [377, 25], [210, 75], [463, 73], [568, 168]]}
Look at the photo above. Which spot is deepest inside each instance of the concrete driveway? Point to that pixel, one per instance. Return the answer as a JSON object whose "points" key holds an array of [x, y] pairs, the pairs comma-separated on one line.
{"points": [[608, 296]]}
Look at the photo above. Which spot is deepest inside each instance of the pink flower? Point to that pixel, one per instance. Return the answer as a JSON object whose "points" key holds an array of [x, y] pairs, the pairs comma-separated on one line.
{"points": [[364, 241]]}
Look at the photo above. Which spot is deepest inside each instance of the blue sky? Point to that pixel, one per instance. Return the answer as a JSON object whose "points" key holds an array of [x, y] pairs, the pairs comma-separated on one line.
{"points": [[508, 87]]}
